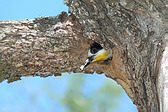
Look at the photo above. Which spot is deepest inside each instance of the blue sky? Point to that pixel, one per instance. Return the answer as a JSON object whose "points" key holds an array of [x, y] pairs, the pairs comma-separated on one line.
{"points": [[33, 94], [26, 9]]}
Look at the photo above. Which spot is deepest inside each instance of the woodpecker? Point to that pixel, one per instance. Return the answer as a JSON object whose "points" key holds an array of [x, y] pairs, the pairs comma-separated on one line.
{"points": [[97, 53]]}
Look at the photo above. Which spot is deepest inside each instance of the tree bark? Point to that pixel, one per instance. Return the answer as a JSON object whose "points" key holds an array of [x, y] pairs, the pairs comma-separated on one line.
{"points": [[134, 30], [42, 46]]}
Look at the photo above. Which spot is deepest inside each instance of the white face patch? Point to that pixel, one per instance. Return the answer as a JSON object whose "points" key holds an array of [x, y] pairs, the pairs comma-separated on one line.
{"points": [[98, 53], [89, 53], [102, 51]]}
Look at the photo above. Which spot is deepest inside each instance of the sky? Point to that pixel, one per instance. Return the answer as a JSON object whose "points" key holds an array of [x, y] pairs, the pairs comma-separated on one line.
{"points": [[26, 9], [33, 94]]}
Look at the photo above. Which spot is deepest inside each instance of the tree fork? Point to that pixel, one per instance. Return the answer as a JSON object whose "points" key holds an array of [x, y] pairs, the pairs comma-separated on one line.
{"points": [[52, 45], [137, 32]]}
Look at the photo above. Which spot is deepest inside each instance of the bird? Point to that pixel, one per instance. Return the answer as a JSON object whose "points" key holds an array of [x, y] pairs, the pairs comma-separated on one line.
{"points": [[97, 53]]}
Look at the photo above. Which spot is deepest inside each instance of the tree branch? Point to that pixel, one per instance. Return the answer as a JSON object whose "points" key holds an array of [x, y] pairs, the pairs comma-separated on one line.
{"points": [[134, 30], [42, 46]]}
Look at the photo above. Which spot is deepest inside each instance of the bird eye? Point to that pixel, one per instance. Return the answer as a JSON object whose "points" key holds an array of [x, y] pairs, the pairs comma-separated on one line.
{"points": [[95, 47], [94, 50]]}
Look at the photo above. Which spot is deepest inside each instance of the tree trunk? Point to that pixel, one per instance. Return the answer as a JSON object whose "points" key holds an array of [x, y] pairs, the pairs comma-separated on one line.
{"points": [[163, 80], [134, 30]]}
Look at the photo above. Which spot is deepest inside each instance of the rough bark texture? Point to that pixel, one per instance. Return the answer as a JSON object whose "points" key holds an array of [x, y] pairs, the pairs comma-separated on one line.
{"points": [[133, 29], [42, 46], [163, 79], [136, 30]]}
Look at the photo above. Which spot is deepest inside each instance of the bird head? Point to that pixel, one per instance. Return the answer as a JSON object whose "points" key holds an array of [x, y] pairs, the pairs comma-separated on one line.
{"points": [[97, 53]]}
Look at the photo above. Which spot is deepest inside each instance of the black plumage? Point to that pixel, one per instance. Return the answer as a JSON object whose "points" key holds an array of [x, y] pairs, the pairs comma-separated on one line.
{"points": [[95, 47]]}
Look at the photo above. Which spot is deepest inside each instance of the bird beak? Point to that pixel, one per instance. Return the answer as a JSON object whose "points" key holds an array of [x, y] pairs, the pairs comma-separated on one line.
{"points": [[87, 62], [85, 65]]}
